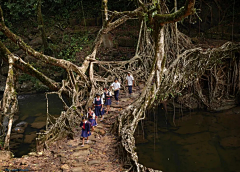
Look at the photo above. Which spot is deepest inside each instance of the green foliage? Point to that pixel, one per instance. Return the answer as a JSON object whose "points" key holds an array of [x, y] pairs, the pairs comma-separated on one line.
{"points": [[25, 77], [74, 44], [20, 8]]}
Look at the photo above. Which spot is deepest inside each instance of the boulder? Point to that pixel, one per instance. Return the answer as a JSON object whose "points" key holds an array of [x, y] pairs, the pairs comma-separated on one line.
{"points": [[30, 138], [22, 124], [77, 169], [93, 162], [38, 125], [65, 167], [18, 130], [16, 136], [5, 155]]}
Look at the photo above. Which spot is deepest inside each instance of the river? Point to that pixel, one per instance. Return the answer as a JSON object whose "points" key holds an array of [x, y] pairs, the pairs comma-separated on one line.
{"points": [[32, 109], [200, 142]]}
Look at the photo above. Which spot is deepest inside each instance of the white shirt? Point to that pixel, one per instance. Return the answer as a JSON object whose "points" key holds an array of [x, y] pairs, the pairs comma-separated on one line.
{"points": [[97, 100], [130, 80], [93, 115], [116, 85], [110, 94]]}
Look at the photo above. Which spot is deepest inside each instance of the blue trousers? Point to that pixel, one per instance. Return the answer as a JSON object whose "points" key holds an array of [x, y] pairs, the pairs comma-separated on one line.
{"points": [[130, 89], [116, 94]]}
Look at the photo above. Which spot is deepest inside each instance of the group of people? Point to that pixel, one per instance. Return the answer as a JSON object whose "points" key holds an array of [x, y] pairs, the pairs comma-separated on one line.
{"points": [[98, 103]]}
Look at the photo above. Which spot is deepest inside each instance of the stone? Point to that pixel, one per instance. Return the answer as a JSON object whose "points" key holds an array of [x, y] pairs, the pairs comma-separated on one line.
{"points": [[18, 130], [5, 155], [65, 167], [16, 136], [22, 124], [81, 153], [86, 146], [32, 154], [93, 162], [38, 125], [77, 169], [30, 138]]}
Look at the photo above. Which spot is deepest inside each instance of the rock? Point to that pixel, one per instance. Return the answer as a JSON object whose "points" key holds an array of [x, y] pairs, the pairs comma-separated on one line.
{"points": [[18, 130], [230, 142], [81, 153], [16, 136], [40, 118], [38, 125], [22, 124], [77, 169], [65, 167], [86, 146], [5, 155], [102, 132], [32, 154], [93, 162], [36, 41], [29, 138], [4, 70]]}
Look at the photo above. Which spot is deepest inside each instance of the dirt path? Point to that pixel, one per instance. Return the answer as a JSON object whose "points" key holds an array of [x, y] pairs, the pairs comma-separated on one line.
{"points": [[67, 155]]}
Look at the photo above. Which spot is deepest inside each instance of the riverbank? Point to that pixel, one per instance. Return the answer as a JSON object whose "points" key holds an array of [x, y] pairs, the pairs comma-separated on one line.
{"points": [[68, 155]]}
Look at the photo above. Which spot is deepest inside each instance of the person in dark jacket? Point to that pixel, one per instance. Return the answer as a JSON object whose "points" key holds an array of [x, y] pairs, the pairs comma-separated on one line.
{"points": [[86, 126]]}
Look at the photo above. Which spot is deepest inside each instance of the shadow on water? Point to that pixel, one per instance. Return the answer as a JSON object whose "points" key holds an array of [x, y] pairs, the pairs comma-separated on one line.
{"points": [[200, 142], [32, 109]]}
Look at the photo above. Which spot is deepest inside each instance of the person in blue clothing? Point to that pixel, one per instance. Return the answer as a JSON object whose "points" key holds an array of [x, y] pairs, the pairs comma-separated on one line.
{"points": [[86, 126], [98, 103], [91, 118], [107, 96]]}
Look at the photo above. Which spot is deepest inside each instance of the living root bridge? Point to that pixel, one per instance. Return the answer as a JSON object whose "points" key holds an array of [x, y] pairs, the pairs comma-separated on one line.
{"points": [[165, 61], [187, 69]]}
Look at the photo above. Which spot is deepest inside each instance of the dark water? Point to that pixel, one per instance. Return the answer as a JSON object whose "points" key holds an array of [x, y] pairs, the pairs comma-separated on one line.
{"points": [[32, 109], [200, 142]]}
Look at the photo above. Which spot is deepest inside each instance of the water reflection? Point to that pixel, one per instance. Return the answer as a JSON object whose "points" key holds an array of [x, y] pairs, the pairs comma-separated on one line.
{"points": [[32, 109], [201, 141]]}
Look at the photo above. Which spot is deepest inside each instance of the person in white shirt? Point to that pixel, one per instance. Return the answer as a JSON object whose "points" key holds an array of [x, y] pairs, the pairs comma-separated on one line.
{"points": [[116, 87], [130, 83]]}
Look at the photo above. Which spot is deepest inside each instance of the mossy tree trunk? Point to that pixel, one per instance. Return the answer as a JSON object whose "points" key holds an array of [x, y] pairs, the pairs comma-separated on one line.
{"points": [[41, 27]]}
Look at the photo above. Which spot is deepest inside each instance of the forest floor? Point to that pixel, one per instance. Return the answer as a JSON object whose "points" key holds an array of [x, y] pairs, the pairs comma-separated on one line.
{"points": [[101, 154]]}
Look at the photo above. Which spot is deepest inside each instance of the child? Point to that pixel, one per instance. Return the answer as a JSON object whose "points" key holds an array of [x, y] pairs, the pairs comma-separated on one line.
{"points": [[98, 103], [116, 87], [130, 83], [91, 117], [107, 95], [85, 129]]}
